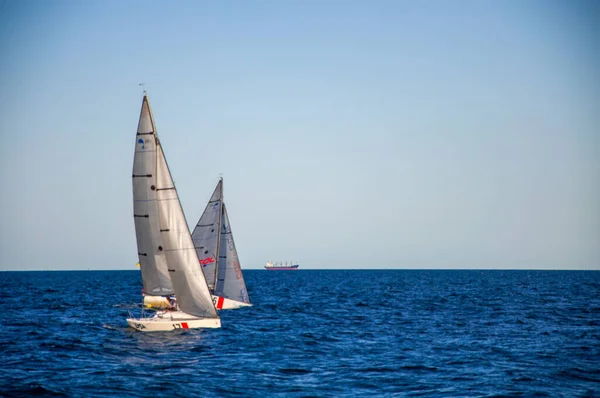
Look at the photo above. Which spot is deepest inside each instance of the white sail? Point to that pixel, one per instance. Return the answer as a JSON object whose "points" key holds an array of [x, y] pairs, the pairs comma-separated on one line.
{"points": [[189, 284], [230, 279], [206, 235], [153, 264]]}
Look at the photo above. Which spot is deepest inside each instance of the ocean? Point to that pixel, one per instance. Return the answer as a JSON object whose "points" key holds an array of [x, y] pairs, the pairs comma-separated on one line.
{"points": [[317, 333]]}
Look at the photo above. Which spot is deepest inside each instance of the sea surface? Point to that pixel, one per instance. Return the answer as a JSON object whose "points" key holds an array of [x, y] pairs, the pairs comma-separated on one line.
{"points": [[424, 333]]}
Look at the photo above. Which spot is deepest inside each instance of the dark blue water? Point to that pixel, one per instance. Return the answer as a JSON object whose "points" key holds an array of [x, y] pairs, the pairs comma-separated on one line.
{"points": [[311, 333]]}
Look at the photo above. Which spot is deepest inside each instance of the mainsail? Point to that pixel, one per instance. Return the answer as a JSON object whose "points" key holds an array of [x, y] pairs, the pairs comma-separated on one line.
{"points": [[193, 295], [153, 264], [206, 235], [230, 279]]}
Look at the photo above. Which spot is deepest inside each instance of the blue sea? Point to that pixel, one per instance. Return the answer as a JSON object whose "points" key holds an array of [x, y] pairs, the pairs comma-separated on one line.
{"points": [[339, 333]]}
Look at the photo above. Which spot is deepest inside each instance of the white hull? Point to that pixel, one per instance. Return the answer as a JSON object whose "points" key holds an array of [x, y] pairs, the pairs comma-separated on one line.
{"points": [[222, 303], [165, 321]]}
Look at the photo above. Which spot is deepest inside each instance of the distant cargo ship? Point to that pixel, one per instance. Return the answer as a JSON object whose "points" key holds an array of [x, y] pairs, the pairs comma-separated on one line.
{"points": [[281, 266]]}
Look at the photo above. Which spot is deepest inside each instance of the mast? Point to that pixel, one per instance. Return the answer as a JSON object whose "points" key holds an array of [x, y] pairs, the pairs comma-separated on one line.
{"points": [[218, 259]]}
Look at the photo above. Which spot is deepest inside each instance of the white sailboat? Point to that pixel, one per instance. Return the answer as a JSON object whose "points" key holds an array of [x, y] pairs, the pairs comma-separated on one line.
{"points": [[168, 260], [215, 247], [156, 281]]}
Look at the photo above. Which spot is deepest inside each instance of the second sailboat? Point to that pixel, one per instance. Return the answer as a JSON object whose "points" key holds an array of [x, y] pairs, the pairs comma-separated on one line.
{"points": [[213, 240]]}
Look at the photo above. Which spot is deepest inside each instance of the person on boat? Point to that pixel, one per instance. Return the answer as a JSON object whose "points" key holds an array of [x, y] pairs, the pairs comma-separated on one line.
{"points": [[172, 303]]}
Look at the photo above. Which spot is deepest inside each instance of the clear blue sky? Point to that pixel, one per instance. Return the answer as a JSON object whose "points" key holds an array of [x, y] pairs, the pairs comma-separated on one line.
{"points": [[351, 134]]}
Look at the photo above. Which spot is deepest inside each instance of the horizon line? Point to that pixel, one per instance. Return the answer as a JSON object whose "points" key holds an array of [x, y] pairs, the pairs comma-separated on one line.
{"points": [[330, 269]]}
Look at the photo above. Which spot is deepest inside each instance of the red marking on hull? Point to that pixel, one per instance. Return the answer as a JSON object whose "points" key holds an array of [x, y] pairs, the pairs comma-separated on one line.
{"points": [[184, 325], [220, 303]]}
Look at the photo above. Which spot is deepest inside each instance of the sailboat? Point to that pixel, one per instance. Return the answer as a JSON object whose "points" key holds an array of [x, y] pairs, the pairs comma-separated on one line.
{"points": [[215, 247], [168, 260]]}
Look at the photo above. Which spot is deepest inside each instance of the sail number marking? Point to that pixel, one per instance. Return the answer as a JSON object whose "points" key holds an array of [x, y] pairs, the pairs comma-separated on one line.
{"points": [[182, 325], [218, 302], [206, 261], [237, 268]]}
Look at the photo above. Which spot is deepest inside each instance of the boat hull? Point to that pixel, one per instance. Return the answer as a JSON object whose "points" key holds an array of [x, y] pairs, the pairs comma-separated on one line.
{"points": [[222, 303], [281, 268], [165, 321]]}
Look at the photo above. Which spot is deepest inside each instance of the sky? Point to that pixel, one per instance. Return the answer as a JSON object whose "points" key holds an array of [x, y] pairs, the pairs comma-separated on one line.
{"points": [[350, 134]]}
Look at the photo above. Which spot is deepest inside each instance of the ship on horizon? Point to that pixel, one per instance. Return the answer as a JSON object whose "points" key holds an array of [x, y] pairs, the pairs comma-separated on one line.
{"points": [[281, 266]]}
